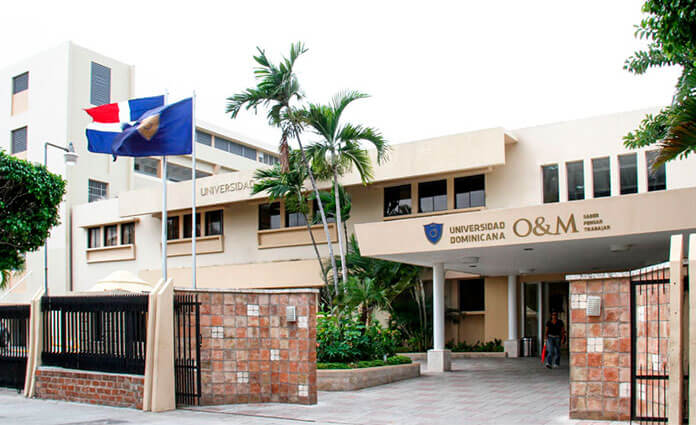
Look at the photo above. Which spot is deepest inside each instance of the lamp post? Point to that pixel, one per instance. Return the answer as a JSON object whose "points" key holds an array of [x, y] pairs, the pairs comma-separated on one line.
{"points": [[70, 158]]}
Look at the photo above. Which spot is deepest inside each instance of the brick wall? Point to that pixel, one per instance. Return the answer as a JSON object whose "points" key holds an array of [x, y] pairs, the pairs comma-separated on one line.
{"points": [[600, 350], [250, 353], [81, 386]]}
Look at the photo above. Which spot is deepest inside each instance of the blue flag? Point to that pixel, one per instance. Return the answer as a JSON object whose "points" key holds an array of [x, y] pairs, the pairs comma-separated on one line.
{"points": [[166, 130]]}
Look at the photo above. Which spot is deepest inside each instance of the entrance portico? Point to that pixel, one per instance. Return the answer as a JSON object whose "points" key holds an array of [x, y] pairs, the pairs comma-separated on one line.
{"points": [[536, 244]]}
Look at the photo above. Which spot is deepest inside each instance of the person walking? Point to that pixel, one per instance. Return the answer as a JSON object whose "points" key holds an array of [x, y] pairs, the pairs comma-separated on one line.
{"points": [[555, 335]]}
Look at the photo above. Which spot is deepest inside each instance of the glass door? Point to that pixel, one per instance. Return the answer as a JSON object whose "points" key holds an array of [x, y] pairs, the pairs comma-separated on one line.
{"points": [[531, 311]]}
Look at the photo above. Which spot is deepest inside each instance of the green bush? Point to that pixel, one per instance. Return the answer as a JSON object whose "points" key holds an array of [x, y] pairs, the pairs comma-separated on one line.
{"points": [[346, 340], [391, 361], [486, 347]]}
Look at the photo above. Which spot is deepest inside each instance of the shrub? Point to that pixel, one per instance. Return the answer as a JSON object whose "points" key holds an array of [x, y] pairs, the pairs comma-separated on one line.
{"points": [[345, 339], [391, 361], [495, 345]]}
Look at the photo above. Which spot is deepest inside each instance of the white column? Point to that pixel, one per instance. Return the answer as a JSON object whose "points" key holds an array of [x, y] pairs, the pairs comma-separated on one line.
{"points": [[540, 316], [439, 357], [512, 345], [439, 306]]}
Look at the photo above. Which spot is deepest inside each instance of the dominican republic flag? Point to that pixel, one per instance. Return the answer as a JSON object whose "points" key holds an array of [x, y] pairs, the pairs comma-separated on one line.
{"points": [[109, 120], [165, 130]]}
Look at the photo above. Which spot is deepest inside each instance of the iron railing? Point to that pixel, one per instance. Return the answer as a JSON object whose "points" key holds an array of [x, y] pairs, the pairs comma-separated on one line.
{"points": [[102, 333], [14, 343], [187, 348]]}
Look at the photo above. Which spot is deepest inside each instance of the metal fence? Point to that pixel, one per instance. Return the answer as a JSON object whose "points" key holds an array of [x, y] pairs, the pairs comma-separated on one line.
{"points": [[14, 344], [187, 348], [102, 333]]}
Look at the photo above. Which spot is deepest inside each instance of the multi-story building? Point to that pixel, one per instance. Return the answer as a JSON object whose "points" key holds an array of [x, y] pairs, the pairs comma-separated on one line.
{"points": [[45, 100]]}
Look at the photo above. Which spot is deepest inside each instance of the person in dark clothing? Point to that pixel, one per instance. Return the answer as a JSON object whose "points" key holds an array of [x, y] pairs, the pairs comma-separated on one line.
{"points": [[555, 335]]}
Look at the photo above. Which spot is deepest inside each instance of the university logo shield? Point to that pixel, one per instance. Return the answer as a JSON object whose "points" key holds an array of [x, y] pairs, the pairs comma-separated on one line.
{"points": [[433, 232]]}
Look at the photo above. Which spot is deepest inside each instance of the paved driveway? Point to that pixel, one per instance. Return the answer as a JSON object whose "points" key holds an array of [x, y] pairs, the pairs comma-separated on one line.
{"points": [[478, 391]]}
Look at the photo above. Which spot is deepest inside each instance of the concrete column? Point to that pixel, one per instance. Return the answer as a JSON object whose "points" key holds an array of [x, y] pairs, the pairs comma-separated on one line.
{"points": [[540, 316], [512, 346], [439, 357]]}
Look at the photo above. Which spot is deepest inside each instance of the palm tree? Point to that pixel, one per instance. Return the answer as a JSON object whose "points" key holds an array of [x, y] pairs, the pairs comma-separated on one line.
{"points": [[289, 187], [679, 138], [339, 149], [277, 88]]}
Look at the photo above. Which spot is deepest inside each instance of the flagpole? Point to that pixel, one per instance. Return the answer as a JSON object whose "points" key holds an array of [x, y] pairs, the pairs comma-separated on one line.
{"points": [[193, 188], [164, 207]]}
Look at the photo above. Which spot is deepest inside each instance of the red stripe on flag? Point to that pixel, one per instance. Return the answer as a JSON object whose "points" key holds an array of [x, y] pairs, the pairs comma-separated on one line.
{"points": [[104, 113]]}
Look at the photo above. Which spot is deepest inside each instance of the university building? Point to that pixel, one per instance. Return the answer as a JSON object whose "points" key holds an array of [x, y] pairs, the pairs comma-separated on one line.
{"points": [[497, 217]]}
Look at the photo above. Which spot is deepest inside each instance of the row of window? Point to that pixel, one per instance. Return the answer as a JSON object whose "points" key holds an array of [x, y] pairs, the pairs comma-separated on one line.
{"points": [[175, 173], [601, 177], [270, 216], [180, 226], [102, 236], [235, 148], [469, 192]]}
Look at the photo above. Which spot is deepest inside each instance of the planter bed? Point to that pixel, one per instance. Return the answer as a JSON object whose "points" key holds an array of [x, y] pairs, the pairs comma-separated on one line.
{"points": [[457, 355], [355, 379]]}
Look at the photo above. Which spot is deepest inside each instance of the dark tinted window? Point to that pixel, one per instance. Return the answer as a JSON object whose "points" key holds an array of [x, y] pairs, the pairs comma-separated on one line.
{"points": [[20, 83], [213, 223], [432, 196], [471, 295], [550, 177], [100, 92], [187, 225], [269, 216], [172, 228], [469, 192], [397, 200], [235, 148], [601, 177], [657, 177], [111, 235], [127, 233], [628, 172], [19, 140], [576, 180], [93, 239], [204, 138]]}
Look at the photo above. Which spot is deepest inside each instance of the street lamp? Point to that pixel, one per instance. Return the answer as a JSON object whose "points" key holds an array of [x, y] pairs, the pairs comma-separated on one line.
{"points": [[70, 158]]}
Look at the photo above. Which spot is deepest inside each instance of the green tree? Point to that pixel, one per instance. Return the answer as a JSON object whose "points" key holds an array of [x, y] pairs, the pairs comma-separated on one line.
{"points": [[339, 150], [329, 200], [670, 29], [289, 187], [29, 200], [277, 89]]}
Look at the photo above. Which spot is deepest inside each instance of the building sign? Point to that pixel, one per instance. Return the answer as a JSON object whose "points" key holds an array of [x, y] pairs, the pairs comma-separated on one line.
{"points": [[524, 228], [219, 189]]}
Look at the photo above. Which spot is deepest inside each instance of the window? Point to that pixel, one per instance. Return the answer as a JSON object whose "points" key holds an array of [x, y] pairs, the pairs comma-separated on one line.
{"points": [[93, 240], [472, 295], [20, 83], [96, 190], [111, 235], [127, 233], [269, 216], [178, 173], [601, 177], [432, 196], [267, 158], [397, 200], [147, 166], [172, 228], [235, 148], [187, 225], [100, 87], [294, 219], [628, 173], [19, 140], [204, 138], [550, 178], [469, 192], [213, 223], [657, 178], [576, 180]]}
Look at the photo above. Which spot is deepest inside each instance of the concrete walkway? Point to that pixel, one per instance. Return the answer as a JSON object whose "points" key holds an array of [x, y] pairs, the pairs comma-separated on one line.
{"points": [[478, 391]]}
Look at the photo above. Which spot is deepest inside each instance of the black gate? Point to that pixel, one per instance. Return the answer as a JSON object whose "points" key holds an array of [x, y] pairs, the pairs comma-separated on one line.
{"points": [[649, 341], [187, 337], [14, 343]]}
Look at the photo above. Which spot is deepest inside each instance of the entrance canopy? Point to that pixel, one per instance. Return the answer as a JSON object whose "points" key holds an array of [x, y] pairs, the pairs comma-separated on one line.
{"points": [[616, 233]]}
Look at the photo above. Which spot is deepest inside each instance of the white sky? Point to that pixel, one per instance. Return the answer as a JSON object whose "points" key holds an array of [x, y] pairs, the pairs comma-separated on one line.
{"points": [[432, 67]]}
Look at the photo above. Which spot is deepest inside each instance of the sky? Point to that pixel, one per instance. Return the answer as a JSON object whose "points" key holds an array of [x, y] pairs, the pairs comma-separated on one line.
{"points": [[431, 67]]}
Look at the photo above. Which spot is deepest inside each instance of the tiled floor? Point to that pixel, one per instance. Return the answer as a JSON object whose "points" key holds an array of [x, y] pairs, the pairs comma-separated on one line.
{"points": [[478, 391]]}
